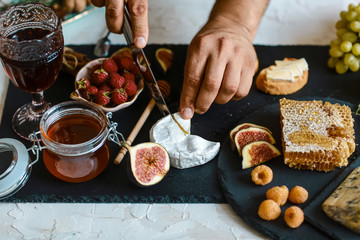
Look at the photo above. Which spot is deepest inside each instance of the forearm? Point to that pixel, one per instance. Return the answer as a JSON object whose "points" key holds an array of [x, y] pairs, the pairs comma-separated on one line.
{"points": [[242, 13]]}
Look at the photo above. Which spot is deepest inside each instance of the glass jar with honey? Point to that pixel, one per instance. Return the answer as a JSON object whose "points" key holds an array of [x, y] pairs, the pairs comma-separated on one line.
{"points": [[75, 135], [74, 140]]}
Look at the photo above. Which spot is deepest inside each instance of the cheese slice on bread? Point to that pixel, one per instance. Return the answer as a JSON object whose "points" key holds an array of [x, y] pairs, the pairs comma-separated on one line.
{"points": [[285, 77]]}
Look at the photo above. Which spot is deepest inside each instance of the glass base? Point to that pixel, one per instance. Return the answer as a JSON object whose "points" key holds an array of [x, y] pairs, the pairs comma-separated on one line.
{"points": [[26, 121]]}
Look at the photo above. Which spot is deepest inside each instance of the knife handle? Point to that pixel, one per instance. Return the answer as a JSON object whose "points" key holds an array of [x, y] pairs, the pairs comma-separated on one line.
{"points": [[135, 131]]}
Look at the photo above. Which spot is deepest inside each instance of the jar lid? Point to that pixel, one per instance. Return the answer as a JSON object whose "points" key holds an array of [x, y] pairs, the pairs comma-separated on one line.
{"points": [[15, 166]]}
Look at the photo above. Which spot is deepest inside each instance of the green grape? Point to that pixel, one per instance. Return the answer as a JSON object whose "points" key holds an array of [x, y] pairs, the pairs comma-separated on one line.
{"points": [[351, 7], [349, 36], [332, 62], [349, 59], [341, 68], [357, 8], [343, 15], [354, 67], [336, 52], [355, 26], [341, 32], [341, 24], [346, 46], [356, 49], [351, 16], [335, 42]]}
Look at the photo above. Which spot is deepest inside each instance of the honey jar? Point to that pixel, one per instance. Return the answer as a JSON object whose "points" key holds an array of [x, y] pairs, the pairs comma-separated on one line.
{"points": [[74, 140], [75, 135]]}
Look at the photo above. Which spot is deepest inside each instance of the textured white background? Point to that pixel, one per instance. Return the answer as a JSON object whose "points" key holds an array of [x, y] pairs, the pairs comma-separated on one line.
{"points": [[285, 23]]}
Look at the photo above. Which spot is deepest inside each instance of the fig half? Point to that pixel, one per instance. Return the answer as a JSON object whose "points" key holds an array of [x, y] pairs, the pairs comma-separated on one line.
{"points": [[244, 126], [164, 57], [149, 163], [249, 135], [258, 152]]}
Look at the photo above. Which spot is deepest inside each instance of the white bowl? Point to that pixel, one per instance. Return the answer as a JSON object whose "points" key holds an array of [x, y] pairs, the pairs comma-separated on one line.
{"points": [[85, 73]]}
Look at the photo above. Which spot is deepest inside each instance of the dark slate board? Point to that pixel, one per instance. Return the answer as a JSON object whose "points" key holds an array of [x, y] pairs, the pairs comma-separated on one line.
{"points": [[318, 218], [194, 185], [245, 197]]}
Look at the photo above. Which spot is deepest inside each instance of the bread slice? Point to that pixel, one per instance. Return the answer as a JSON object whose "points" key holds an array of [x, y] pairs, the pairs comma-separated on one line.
{"points": [[278, 87], [316, 136]]}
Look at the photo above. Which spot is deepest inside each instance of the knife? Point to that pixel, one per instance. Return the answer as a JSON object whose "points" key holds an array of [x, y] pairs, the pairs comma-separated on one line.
{"points": [[139, 56]]}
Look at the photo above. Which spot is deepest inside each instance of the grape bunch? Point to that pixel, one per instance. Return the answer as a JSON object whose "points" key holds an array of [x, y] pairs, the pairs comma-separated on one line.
{"points": [[345, 49]]}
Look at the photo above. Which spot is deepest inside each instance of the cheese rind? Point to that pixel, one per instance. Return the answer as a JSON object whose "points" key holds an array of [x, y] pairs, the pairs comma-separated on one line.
{"points": [[343, 205]]}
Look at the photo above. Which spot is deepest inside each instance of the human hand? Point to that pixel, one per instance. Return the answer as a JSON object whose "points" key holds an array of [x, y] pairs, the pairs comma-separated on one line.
{"points": [[74, 5], [138, 10], [220, 65]]}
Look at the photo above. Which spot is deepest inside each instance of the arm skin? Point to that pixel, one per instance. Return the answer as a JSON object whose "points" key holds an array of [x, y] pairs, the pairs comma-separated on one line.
{"points": [[138, 10], [221, 59]]}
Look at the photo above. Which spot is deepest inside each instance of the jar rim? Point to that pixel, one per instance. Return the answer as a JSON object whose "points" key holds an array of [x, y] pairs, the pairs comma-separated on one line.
{"points": [[58, 111]]}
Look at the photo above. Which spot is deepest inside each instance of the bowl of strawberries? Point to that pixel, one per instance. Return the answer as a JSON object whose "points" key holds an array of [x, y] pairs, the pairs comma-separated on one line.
{"points": [[111, 83]]}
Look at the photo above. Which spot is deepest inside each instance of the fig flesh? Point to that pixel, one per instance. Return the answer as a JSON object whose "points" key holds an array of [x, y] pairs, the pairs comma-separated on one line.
{"points": [[165, 58], [149, 163], [249, 135], [258, 152], [244, 126]]}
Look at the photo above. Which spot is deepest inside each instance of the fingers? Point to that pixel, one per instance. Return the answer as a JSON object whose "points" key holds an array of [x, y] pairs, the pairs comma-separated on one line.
{"points": [[138, 10], [80, 5], [114, 15], [230, 82], [194, 72], [211, 84], [69, 5], [75, 5], [98, 3], [246, 78]]}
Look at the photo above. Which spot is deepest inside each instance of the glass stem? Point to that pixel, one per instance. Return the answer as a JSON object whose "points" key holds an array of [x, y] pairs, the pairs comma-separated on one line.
{"points": [[38, 104]]}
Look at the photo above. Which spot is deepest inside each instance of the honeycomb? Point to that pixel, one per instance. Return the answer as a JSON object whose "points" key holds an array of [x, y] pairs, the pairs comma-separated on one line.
{"points": [[316, 135]]}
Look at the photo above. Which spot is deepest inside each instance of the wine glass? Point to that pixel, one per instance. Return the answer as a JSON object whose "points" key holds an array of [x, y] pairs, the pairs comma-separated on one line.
{"points": [[31, 52]]}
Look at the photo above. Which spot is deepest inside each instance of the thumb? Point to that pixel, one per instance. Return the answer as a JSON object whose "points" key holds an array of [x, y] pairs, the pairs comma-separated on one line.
{"points": [[138, 10]]}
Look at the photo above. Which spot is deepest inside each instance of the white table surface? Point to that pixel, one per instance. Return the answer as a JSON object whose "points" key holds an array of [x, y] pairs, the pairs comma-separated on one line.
{"points": [[304, 22]]}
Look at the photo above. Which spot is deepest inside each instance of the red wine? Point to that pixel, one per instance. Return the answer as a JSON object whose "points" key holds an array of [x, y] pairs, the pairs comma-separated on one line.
{"points": [[37, 75]]}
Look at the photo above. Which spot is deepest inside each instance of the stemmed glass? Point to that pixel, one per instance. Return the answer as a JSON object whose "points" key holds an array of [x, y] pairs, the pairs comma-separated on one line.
{"points": [[31, 51]]}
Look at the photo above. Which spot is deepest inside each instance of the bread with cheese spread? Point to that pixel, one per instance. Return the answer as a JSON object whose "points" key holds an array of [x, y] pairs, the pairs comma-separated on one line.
{"points": [[285, 77]]}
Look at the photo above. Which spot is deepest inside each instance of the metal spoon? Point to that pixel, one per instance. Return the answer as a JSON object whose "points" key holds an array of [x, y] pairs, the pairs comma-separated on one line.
{"points": [[102, 46]]}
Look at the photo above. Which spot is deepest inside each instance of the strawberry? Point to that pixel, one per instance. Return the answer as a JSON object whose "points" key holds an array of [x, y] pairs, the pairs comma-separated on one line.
{"points": [[109, 65], [130, 88], [125, 63], [89, 92], [99, 76], [129, 76], [106, 86], [119, 96], [137, 72], [116, 80], [92, 90], [102, 97], [82, 83], [96, 67]]}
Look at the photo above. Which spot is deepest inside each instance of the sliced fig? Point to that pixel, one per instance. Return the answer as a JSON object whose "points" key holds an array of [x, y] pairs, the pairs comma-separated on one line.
{"points": [[249, 135], [258, 152], [149, 163], [243, 126], [165, 58]]}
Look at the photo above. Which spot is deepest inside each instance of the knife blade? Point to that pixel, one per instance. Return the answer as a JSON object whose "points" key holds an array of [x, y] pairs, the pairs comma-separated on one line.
{"points": [[139, 57]]}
